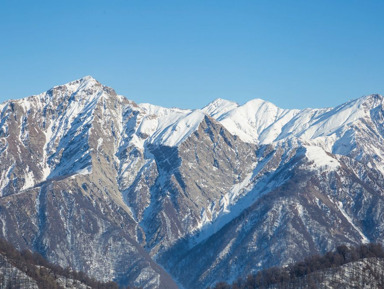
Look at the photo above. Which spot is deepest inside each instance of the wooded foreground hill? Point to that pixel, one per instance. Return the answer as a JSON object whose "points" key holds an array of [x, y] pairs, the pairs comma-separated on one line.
{"points": [[30, 270], [346, 267]]}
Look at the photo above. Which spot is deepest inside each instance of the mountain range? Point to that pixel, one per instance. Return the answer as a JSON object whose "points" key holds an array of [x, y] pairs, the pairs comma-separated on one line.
{"points": [[172, 198]]}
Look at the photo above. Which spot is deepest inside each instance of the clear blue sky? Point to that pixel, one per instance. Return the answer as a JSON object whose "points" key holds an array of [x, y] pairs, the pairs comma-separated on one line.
{"points": [[295, 54]]}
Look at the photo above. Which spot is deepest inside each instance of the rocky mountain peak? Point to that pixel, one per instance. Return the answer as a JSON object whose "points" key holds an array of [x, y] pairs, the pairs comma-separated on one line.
{"points": [[82, 83], [219, 107], [371, 101], [85, 89]]}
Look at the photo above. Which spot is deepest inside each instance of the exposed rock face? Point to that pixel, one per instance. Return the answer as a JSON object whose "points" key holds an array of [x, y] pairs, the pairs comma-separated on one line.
{"points": [[94, 181]]}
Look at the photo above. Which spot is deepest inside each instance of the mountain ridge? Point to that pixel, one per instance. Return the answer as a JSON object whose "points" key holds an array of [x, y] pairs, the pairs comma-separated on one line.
{"points": [[149, 187], [256, 104]]}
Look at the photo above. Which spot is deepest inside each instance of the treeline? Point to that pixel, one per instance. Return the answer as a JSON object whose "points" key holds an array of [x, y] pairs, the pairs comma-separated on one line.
{"points": [[281, 277], [45, 273]]}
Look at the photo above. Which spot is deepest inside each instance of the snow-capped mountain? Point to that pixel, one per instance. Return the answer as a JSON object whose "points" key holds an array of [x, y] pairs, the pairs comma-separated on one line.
{"points": [[164, 197]]}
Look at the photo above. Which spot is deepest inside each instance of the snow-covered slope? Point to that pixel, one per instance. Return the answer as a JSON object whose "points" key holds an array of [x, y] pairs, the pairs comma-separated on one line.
{"points": [[260, 121], [250, 120], [171, 129]]}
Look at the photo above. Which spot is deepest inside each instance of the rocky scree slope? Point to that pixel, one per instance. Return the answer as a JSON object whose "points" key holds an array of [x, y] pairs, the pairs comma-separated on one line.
{"points": [[140, 193]]}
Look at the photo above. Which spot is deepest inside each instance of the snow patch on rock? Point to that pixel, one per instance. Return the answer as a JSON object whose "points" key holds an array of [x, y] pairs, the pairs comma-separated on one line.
{"points": [[320, 158]]}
